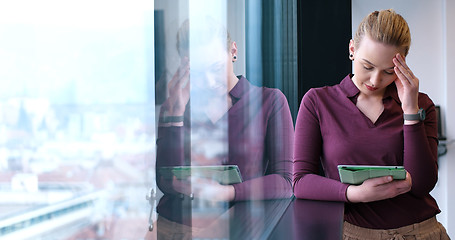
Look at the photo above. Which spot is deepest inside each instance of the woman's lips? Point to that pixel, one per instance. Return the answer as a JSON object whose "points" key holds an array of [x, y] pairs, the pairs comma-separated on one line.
{"points": [[371, 88]]}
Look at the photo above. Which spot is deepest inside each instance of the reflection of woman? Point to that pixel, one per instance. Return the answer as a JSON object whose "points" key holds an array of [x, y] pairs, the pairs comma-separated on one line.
{"points": [[259, 124], [371, 118]]}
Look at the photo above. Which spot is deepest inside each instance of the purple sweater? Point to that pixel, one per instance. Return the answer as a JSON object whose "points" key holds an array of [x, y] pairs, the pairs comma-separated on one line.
{"points": [[260, 136], [331, 130]]}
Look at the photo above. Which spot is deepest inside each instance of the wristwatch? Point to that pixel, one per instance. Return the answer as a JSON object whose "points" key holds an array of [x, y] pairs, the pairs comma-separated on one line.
{"points": [[420, 116], [171, 119]]}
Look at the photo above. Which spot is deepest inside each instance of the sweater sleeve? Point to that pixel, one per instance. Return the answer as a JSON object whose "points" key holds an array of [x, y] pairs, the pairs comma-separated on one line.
{"points": [[308, 184], [170, 152], [277, 179], [421, 150]]}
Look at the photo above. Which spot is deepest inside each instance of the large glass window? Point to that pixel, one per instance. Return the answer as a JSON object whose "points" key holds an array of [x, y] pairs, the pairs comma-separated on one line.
{"points": [[77, 143], [162, 119]]}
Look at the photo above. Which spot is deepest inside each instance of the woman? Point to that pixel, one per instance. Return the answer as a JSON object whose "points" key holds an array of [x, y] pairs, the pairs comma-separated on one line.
{"points": [[373, 117], [227, 121], [256, 122]]}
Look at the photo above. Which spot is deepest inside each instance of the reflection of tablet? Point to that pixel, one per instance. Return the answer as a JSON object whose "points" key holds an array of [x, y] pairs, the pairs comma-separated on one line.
{"points": [[224, 174], [356, 174]]}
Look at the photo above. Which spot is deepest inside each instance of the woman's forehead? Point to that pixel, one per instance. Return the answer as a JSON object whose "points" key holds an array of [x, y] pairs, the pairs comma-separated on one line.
{"points": [[376, 52], [202, 56]]}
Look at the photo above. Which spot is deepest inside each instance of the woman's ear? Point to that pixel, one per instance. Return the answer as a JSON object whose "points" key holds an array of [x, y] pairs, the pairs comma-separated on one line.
{"points": [[351, 49], [233, 51]]}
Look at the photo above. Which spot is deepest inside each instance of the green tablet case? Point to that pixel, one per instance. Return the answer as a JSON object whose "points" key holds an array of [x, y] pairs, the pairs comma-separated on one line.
{"points": [[224, 174], [356, 174]]}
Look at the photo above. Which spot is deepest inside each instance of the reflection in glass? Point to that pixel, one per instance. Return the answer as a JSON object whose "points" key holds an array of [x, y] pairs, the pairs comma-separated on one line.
{"points": [[213, 117], [85, 86]]}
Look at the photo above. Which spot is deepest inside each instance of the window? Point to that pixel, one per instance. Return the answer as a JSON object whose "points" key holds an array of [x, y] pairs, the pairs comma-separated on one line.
{"points": [[77, 118], [85, 90]]}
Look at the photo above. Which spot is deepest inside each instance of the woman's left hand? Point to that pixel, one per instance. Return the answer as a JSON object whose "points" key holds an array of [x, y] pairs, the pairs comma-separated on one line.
{"points": [[380, 188], [407, 85], [203, 188]]}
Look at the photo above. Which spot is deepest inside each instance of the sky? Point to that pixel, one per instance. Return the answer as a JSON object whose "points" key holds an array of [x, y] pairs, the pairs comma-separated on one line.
{"points": [[81, 52]]}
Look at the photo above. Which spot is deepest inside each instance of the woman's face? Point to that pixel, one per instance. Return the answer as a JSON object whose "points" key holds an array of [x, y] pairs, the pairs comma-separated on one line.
{"points": [[373, 66], [210, 67]]}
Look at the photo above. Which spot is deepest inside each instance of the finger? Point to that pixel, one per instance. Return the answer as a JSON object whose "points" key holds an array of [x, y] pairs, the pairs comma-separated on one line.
{"points": [[405, 184], [186, 89], [408, 176], [404, 78], [181, 72], [398, 82], [181, 186], [184, 67], [400, 62], [379, 180], [401, 59], [402, 187], [183, 78], [176, 84], [176, 77], [184, 60], [199, 181]]}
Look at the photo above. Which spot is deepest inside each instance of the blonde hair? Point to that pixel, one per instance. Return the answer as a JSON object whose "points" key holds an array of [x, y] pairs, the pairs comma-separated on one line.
{"points": [[385, 26], [207, 29]]}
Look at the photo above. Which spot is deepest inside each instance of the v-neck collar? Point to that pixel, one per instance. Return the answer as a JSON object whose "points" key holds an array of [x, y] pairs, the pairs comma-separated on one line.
{"points": [[352, 92]]}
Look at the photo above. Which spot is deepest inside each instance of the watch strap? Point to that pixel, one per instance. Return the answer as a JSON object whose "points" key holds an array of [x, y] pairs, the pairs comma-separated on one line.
{"points": [[171, 119], [411, 117], [419, 116]]}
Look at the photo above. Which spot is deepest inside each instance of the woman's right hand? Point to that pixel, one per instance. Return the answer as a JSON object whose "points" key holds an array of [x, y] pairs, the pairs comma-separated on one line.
{"points": [[380, 188], [203, 188], [179, 90]]}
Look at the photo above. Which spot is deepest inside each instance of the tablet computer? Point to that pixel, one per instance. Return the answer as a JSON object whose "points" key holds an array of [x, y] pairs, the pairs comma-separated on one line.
{"points": [[356, 174], [224, 174]]}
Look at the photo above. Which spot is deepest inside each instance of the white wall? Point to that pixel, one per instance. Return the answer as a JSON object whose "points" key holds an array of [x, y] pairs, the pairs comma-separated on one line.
{"points": [[449, 159], [432, 59]]}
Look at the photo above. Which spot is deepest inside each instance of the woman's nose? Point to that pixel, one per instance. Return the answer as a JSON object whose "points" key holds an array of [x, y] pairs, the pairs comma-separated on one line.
{"points": [[375, 79], [210, 80]]}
